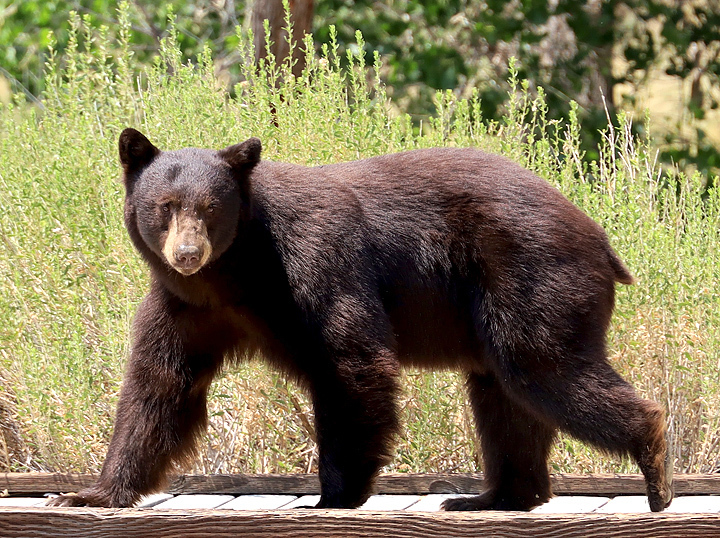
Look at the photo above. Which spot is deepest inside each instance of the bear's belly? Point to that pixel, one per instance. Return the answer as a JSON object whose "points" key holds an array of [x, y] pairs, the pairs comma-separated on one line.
{"points": [[430, 332]]}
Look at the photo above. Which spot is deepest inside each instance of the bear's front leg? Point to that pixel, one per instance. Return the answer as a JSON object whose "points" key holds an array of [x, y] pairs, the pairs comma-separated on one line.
{"points": [[162, 406], [356, 422]]}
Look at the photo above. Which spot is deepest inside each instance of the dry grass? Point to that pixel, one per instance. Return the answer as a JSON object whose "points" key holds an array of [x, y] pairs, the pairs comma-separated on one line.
{"points": [[13, 449]]}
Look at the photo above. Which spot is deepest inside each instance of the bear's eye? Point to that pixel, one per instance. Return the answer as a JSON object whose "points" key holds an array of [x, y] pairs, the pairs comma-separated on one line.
{"points": [[211, 208], [165, 207]]}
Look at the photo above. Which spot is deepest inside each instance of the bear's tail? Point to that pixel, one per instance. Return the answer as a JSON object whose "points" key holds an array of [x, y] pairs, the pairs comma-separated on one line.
{"points": [[622, 273]]}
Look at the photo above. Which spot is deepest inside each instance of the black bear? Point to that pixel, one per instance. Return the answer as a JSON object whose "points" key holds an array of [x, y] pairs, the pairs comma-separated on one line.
{"points": [[340, 275]]}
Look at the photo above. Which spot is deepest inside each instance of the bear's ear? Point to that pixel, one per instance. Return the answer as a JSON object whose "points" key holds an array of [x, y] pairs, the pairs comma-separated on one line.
{"points": [[242, 156], [136, 150]]}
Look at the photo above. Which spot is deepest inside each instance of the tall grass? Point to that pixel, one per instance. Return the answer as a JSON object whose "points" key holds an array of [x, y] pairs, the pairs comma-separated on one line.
{"points": [[71, 280]]}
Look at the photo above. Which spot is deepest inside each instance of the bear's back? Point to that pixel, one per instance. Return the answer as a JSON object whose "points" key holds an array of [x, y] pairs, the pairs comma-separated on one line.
{"points": [[443, 202]]}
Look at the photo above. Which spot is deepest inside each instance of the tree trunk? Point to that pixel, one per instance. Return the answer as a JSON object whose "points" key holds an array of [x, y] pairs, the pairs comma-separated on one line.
{"points": [[301, 15], [602, 82]]}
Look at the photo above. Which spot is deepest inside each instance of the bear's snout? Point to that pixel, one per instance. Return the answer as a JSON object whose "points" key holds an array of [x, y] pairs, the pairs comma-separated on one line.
{"points": [[187, 247], [188, 257]]}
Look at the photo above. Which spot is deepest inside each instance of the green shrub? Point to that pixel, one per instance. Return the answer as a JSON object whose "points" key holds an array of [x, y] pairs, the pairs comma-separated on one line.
{"points": [[71, 279]]}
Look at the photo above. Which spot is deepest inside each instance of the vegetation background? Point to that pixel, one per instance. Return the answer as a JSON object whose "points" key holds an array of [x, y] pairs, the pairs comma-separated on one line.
{"points": [[426, 74], [662, 55]]}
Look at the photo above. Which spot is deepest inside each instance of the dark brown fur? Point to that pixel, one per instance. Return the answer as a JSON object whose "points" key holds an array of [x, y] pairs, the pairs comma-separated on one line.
{"points": [[340, 275]]}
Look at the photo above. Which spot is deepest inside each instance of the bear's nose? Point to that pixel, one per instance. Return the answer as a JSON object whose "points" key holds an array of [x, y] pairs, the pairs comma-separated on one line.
{"points": [[187, 255]]}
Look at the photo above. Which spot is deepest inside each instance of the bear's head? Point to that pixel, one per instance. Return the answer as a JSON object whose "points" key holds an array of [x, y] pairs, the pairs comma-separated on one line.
{"points": [[184, 206]]}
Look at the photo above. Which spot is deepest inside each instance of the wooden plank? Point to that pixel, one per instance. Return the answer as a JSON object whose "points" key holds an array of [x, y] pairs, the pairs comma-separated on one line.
{"points": [[423, 484], [571, 505], [132, 523], [696, 504], [690, 504], [41, 483], [195, 502], [415, 484], [148, 501], [629, 504], [432, 502], [22, 501], [303, 501], [258, 502], [389, 502], [239, 484]]}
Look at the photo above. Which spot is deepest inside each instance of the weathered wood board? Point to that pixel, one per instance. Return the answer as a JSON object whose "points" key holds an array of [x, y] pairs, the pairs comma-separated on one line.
{"points": [[134, 523], [572, 505], [405, 506], [409, 484], [259, 502], [627, 504], [202, 501]]}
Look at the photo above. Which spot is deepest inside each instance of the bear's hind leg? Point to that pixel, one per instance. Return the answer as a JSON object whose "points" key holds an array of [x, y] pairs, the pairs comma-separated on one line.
{"points": [[591, 402], [515, 448]]}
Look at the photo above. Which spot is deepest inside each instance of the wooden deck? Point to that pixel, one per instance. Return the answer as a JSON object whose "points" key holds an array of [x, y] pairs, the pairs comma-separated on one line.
{"points": [[404, 506]]}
